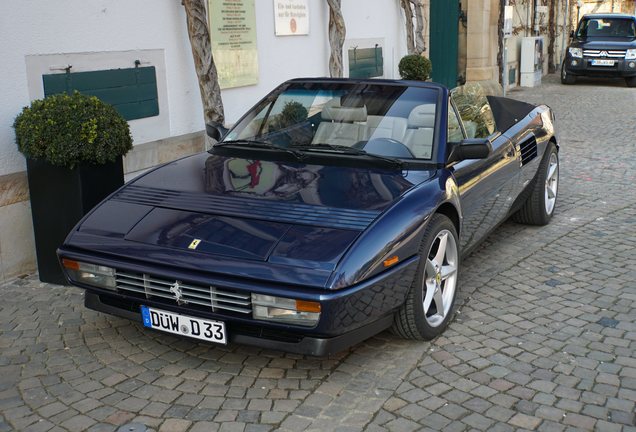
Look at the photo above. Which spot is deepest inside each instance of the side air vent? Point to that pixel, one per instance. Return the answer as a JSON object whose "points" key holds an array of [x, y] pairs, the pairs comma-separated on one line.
{"points": [[528, 150]]}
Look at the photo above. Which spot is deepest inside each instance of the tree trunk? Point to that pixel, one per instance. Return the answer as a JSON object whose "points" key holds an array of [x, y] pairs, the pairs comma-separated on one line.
{"points": [[500, 42], [337, 33], [420, 46], [199, 35], [408, 23]]}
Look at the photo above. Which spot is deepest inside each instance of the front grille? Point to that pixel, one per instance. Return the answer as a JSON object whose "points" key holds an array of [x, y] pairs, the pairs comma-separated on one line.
{"points": [[183, 293], [604, 53]]}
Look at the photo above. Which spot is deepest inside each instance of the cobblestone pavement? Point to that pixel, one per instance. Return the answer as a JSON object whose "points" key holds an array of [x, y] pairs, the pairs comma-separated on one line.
{"points": [[545, 338]]}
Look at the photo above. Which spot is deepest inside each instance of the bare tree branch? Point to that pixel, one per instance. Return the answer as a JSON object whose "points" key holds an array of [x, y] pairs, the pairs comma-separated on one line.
{"points": [[408, 25], [337, 33], [420, 46], [199, 35]]}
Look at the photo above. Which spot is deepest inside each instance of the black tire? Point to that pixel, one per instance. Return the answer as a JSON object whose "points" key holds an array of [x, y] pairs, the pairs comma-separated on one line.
{"points": [[566, 78], [534, 210], [410, 321], [631, 82]]}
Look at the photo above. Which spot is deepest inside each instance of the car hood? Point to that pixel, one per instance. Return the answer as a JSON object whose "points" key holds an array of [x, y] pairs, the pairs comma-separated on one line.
{"points": [[605, 43], [247, 210]]}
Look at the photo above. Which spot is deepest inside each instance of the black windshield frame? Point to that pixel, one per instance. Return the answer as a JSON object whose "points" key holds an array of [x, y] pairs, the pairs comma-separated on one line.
{"points": [[435, 93]]}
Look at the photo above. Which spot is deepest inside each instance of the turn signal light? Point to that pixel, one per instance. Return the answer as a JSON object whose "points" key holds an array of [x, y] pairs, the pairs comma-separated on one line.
{"points": [[391, 261], [307, 306], [70, 264]]}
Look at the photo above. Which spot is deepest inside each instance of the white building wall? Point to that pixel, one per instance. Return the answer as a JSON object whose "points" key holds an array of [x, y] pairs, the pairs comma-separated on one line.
{"points": [[38, 35], [36, 27]]}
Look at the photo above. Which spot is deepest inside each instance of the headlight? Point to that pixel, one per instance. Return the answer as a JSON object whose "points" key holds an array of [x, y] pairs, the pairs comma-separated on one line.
{"points": [[285, 310], [630, 54], [576, 52], [90, 274]]}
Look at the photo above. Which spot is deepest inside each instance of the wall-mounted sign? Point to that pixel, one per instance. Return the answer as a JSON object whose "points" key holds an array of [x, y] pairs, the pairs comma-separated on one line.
{"points": [[291, 17], [233, 34], [508, 21]]}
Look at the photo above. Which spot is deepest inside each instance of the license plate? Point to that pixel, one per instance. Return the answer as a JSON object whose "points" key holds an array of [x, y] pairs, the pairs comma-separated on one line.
{"points": [[184, 325], [602, 62]]}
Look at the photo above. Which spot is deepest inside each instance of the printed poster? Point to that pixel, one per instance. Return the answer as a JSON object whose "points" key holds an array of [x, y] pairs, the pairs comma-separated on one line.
{"points": [[233, 33]]}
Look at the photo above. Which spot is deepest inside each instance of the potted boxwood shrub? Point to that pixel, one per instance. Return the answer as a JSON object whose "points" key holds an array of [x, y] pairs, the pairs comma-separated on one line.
{"points": [[73, 146], [415, 67]]}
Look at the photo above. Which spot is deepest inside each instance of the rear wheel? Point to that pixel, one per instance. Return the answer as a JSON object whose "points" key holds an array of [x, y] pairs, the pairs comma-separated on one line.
{"points": [[539, 207], [631, 82], [430, 303], [566, 78]]}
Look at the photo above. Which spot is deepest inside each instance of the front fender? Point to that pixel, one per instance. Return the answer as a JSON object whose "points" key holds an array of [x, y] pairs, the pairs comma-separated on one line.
{"points": [[397, 232]]}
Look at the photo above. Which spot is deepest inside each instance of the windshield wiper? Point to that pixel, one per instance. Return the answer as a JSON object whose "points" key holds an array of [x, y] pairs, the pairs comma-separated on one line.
{"points": [[260, 144], [348, 151]]}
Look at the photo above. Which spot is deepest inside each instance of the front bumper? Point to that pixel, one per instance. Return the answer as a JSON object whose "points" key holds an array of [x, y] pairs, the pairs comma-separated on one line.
{"points": [[348, 316], [583, 67], [256, 335]]}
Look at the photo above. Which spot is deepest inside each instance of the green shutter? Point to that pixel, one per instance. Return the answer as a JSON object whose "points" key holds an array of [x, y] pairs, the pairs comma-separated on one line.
{"points": [[133, 91], [366, 62]]}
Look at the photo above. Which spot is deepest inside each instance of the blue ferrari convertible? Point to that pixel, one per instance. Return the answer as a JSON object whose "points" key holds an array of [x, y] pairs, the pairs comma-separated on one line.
{"points": [[333, 210]]}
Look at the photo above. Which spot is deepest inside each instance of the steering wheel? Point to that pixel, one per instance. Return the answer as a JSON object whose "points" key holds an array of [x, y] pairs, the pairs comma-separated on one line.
{"points": [[387, 147]]}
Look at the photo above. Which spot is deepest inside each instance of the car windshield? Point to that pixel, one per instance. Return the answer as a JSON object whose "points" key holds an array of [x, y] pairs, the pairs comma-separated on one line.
{"points": [[607, 27], [359, 119]]}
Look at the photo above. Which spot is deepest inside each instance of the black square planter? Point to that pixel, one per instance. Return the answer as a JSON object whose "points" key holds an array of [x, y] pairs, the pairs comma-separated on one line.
{"points": [[60, 197]]}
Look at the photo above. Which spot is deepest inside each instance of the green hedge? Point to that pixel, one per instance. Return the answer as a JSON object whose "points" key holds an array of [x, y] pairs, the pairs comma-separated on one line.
{"points": [[415, 67], [66, 130]]}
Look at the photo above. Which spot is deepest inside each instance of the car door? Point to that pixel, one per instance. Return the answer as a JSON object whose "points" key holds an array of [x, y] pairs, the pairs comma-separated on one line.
{"points": [[486, 186]]}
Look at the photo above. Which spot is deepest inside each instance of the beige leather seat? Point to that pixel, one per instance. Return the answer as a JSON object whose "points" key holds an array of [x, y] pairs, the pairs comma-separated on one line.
{"points": [[341, 125], [419, 134], [385, 127]]}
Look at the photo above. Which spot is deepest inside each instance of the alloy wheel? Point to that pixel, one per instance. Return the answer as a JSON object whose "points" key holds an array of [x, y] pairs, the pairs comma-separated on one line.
{"points": [[440, 278], [551, 183]]}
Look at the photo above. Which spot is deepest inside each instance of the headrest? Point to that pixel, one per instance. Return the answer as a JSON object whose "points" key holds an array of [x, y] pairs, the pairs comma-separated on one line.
{"points": [[334, 112], [422, 116]]}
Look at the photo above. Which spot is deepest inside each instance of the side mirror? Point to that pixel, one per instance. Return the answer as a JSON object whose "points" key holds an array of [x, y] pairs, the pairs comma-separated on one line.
{"points": [[470, 148], [572, 34], [216, 131]]}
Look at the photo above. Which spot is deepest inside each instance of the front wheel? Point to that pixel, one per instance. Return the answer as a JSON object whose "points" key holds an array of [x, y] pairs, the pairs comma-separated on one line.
{"points": [[430, 303], [566, 78], [539, 207]]}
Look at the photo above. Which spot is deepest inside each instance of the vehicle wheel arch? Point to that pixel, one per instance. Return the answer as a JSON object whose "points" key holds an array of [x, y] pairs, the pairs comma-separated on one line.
{"points": [[553, 140], [450, 211]]}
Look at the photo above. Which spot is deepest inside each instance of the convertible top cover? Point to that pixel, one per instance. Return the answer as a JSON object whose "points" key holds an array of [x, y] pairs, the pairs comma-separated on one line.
{"points": [[508, 112]]}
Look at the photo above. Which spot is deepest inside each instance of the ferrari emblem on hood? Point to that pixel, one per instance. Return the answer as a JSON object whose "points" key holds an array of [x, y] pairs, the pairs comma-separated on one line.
{"points": [[194, 244]]}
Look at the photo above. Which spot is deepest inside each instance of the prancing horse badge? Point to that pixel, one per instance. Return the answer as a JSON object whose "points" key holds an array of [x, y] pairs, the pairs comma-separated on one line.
{"points": [[194, 244]]}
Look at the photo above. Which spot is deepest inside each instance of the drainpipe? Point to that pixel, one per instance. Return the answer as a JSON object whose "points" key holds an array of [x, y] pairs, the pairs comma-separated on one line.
{"points": [[536, 17], [527, 28]]}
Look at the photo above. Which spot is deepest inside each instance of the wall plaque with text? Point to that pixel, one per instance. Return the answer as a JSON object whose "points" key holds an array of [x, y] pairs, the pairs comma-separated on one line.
{"points": [[233, 34], [291, 17]]}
